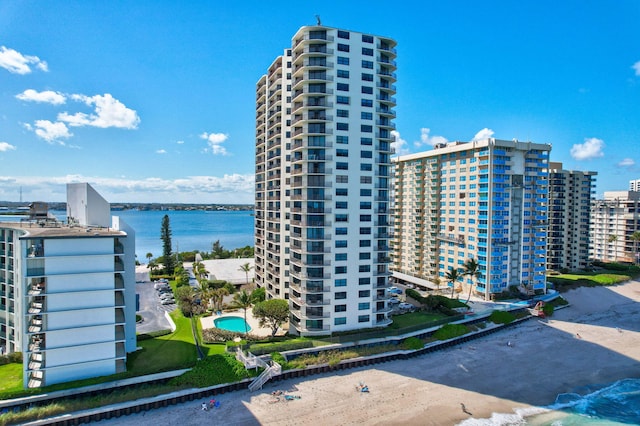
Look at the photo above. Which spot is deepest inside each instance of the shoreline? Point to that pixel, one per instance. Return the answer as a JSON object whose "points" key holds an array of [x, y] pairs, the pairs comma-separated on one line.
{"points": [[594, 342]]}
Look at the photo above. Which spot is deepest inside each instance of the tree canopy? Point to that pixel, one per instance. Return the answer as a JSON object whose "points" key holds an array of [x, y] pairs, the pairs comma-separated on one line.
{"points": [[272, 313]]}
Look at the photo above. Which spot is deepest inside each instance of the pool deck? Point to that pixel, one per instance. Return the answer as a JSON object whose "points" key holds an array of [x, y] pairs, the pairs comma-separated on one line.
{"points": [[256, 330]]}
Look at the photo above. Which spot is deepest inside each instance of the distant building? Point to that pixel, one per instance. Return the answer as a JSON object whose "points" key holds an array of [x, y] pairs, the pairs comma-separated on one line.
{"points": [[324, 117], [570, 195], [485, 200], [634, 185], [67, 299], [614, 220]]}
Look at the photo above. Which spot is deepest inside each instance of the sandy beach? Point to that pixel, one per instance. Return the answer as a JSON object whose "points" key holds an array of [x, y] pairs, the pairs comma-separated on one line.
{"points": [[595, 341]]}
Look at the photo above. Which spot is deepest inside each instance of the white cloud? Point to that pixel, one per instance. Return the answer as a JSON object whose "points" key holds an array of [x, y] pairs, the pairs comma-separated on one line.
{"points": [[636, 68], [215, 140], [109, 112], [427, 140], [161, 151], [51, 132], [231, 189], [180, 142], [17, 63], [6, 146], [48, 96], [483, 134], [590, 149], [399, 144], [627, 162]]}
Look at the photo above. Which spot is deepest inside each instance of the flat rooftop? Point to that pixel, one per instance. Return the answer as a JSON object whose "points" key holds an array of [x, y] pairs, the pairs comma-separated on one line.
{"points": [[52, 229]]}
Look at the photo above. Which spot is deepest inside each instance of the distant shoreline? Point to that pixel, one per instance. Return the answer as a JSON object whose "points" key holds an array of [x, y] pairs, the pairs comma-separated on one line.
{"points": [[13, 208]]}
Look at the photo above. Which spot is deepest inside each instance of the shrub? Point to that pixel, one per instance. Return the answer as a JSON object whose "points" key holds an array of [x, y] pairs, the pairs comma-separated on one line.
{"points": [[265, 348], [12, 358], [449, 331], [501, 317], [280, 359], [214, 370], [412, 343], [548, 309], [218, 335]]}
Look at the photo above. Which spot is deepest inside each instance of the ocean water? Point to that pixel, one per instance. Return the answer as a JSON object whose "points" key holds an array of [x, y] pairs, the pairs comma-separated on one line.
{"points": [[190, 230], [614, 404]]}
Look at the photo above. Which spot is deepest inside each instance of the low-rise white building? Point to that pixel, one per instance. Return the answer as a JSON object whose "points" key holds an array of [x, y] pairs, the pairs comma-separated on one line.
{"points": [[67, 291]]}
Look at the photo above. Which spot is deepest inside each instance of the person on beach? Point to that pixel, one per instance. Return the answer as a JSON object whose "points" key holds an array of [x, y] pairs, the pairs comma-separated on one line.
{"points": [[204, 406]]}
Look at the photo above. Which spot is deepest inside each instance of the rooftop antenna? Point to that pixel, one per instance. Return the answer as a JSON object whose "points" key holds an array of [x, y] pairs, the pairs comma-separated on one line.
{"points": [[318, 19]]}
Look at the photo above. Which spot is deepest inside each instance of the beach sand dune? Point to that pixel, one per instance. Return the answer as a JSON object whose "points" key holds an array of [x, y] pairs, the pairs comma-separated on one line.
{"points": [[595, 341]]}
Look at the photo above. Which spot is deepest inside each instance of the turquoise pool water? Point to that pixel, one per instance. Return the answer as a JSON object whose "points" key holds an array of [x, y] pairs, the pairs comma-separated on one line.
{"points": [[236, 324]]}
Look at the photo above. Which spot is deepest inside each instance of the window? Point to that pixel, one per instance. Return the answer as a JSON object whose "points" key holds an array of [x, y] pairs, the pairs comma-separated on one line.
{"points": [[342, 218], [339, 321], [365, 218], [365, 128], [343, 34], [342, 139], [367, 52], [364, 268], [343, 100], [341, 205], [340, 308], [341, 231], [366, 115], [365, 179], [342, 126], [341, 269], [365, 205], [365, 192], [364, 306], [343, 192], [341, 243], [365, 167], [342, 166], [344, 87], [366, 103], [365, 243], [342, 282], [343, 60], [367, 38], [343, 47], [367, 77], [344, 113], [342, 179], [341, 256], [367, 64], [342, 152], [366, 90], [340, 295], [366, 154], [363, 318], [364, 256], [366, 141], [343, 74]]}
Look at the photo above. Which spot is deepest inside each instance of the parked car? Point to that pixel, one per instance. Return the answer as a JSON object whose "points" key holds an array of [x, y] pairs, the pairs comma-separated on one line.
{"points": [[170, 301], [406, 306], [394, 301], [394, 290], [166, 296]]}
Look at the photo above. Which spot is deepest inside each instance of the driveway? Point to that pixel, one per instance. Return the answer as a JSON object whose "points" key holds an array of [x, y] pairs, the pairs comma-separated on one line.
{"points": [[151, 311]]}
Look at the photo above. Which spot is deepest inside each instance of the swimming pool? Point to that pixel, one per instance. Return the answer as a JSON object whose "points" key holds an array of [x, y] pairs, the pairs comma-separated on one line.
{"points": [[236, 324]]}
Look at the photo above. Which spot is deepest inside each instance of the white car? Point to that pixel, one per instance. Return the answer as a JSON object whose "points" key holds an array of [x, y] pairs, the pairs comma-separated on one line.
{"points": [[405, 305], [168, 301]]}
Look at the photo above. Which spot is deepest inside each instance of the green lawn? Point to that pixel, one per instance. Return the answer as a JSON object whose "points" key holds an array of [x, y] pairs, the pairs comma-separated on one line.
{"points": [[10, 378], [590, 279], [413, 319]]}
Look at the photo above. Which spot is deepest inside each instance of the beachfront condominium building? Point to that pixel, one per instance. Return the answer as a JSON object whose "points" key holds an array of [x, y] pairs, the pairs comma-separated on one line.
{"points": [[324, 117], [484, 200], [614, 221], [634, 185], [570, 195], [67, 299]]}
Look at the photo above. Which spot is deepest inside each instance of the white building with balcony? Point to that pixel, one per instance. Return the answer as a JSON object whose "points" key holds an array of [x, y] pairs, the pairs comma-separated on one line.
{"points": [[614, 220], [67, 298], [324, 117], [485, 200]]}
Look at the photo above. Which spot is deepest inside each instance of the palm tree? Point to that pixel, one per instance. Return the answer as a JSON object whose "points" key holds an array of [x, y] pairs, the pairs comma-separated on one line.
{"points": [[200, 271], [472, 270], [246, 268], [635, 237], [452, 276], [244, 301], [218, 295], [149, 256], [614, 239]]}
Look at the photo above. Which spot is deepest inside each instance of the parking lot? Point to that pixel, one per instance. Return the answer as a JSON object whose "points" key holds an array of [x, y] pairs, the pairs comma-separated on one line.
{"points": [[150, 309]]}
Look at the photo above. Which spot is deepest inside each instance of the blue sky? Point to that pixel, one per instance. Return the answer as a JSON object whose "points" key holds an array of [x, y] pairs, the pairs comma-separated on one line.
{"points": [[155, 101]]}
